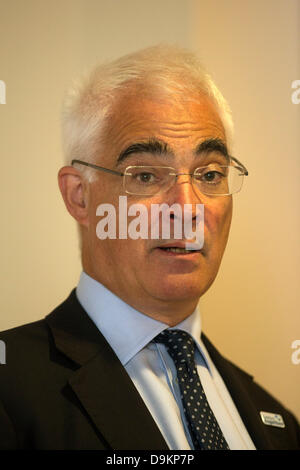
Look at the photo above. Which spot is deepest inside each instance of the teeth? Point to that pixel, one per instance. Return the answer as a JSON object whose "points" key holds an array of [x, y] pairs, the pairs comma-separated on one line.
{"points": [[177, 250]]}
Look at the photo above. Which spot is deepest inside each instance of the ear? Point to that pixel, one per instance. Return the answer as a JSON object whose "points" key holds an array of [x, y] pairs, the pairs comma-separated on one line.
{"points": [[73, 189]]}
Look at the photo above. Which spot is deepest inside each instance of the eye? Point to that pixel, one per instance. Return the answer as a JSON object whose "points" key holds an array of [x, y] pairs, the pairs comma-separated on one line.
{"points": [[212, 174], [212, 177], [145, 177]]}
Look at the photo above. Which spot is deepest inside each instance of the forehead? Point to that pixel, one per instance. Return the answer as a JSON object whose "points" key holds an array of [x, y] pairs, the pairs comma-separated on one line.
{"points": [[182, 124]]}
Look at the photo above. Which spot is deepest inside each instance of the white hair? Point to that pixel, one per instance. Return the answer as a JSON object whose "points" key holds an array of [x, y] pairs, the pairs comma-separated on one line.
{"points": [[160, 71]]}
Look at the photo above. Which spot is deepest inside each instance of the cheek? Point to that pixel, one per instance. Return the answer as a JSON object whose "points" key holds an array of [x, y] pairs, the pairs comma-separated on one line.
{"points": [[102, 203], [218, 220]]}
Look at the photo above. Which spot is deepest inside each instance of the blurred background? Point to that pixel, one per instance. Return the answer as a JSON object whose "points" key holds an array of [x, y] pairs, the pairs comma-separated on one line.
{"points": [[251, 48]]}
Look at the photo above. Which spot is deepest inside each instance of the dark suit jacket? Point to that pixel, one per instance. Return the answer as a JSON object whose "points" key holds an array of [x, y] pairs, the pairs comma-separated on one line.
{"points": [[63, 387]]}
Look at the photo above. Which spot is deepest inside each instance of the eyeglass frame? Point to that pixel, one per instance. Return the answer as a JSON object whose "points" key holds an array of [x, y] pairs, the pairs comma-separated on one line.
{"points": [[119, 173]]}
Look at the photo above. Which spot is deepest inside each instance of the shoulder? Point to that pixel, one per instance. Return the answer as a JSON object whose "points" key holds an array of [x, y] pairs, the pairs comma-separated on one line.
{"points": [[17, 341], [28, 354], [251, 399], [25, 343]]}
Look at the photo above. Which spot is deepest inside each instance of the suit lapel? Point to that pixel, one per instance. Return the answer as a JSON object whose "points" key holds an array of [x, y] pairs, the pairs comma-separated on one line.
{"points": [[101, 383], [239, 385]]}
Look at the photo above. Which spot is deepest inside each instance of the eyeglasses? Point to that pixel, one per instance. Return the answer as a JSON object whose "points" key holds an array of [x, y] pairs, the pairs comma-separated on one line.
{"points": [[213, 180]]}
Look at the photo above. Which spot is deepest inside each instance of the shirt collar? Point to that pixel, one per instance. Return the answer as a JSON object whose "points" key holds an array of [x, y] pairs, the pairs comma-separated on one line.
{"points": [[126, 329]]}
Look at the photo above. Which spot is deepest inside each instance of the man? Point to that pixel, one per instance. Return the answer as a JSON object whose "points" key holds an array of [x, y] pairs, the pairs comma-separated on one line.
{"points": [[122, 363]]}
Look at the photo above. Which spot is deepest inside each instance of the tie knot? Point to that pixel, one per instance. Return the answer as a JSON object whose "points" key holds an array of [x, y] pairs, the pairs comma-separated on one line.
{"points": [[179, 344]]}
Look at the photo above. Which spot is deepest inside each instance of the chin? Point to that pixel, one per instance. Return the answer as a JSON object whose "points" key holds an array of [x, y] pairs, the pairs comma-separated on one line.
{"points": [[180, 288]]}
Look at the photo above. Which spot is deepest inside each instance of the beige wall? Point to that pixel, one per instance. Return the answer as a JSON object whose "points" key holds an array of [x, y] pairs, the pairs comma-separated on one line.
{"points": [[252, 311], [252, 50]]}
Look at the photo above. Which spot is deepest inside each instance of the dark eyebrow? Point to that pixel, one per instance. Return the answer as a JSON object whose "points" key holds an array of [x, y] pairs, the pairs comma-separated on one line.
{"points": [[153, 146], [159, 147], [212, 145]]}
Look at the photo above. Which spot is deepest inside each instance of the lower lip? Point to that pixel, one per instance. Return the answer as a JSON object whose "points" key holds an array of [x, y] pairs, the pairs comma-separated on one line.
{"points": [[171, 254]]}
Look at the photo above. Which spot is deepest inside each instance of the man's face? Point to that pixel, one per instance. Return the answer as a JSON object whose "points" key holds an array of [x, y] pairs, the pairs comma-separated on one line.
{"points": [[140, 272]]}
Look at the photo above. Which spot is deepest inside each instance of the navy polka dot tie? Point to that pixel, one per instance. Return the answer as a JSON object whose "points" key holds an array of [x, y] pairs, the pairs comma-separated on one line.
{"points": [[203, 426]]}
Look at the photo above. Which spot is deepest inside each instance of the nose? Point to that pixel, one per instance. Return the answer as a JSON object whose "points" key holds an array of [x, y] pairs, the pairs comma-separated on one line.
{"points": [[184, 192]]}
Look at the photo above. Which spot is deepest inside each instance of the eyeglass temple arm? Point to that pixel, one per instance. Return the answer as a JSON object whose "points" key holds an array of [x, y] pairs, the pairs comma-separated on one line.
{"points": [[96, 167], [242, 167]]}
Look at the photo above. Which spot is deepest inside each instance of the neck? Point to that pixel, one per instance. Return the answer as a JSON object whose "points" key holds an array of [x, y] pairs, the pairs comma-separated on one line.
{"points": [[165, 311]]}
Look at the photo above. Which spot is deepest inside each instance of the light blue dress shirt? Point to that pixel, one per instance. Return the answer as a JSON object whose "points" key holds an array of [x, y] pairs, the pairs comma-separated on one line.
{"points": [[130, 334]]}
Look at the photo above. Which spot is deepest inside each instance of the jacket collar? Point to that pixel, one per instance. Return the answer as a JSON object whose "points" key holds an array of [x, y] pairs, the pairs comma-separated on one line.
{"points": [[101, 379]]}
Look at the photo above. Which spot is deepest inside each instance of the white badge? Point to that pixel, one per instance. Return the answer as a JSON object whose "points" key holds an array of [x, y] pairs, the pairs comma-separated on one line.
{"points": [[272, 419]]}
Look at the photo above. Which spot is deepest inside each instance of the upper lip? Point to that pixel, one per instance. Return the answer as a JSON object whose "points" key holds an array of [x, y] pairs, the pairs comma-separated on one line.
{"points": [[176, 244]]}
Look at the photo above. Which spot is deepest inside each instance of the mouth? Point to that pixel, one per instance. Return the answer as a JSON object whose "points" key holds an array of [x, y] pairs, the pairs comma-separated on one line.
{"points": [[178, 250]]}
